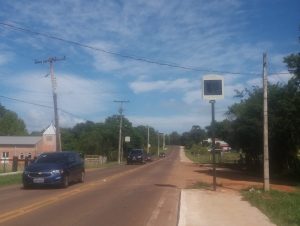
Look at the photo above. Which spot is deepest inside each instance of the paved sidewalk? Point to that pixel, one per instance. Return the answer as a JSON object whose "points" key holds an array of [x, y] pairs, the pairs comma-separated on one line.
{"points": [[217, 208], [209, 208]]}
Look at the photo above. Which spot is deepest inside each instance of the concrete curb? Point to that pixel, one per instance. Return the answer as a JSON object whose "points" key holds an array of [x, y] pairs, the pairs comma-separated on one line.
{"points": [[10, 173]]}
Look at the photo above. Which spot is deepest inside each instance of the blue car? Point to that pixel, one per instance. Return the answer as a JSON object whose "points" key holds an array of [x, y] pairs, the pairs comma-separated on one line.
{"points": [[136, 156], [54, 168]]}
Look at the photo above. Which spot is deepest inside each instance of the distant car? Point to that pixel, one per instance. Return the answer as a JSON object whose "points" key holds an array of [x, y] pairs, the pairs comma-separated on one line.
{"points": [[162, 155], [54, 168], [136, 156], [148, 157]]}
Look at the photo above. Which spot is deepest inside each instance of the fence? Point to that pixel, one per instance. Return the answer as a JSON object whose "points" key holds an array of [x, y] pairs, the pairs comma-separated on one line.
{"points": [[13, 165], [94, 160]]}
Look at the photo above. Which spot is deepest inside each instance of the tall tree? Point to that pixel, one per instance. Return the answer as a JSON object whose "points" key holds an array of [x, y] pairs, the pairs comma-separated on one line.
{"points": [[11, 124]]}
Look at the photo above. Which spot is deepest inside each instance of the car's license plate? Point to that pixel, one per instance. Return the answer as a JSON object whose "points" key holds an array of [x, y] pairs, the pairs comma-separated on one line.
{"points": [[38, 180]]}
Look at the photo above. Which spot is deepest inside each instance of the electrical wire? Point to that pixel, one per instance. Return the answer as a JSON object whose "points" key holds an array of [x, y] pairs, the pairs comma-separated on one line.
{"points": [[136, 58], [42, 105]]}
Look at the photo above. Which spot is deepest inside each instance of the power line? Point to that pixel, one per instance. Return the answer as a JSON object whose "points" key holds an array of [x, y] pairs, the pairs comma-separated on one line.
{"points": [[42, 105], [136, 58], [27, 102]]}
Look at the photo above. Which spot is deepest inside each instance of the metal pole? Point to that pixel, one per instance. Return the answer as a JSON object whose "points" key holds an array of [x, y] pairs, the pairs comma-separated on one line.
{"points": [[266, 137], [158, 144], [213, 143]]}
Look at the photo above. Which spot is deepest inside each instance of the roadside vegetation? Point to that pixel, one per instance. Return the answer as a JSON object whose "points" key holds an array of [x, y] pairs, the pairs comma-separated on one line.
{"points": [[10, 179], [283, 208], [200, 154]]}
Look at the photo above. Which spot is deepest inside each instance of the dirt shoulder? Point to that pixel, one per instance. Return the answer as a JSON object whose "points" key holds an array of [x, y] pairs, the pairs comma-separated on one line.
{"points": [[188, 174]]}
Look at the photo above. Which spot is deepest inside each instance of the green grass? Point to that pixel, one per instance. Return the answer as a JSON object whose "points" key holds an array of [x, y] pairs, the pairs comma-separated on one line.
{"points": [[16, 178], [283, 208], [91, 165], [10, 179], [206, 157]]}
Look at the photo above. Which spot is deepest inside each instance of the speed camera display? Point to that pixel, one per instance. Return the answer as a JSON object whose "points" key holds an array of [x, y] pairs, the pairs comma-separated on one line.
{"points": [[212, 87]]}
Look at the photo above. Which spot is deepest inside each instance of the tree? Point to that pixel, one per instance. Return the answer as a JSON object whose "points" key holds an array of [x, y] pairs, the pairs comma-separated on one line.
{"points": [[11, 124], [247, 125], [175, 138], [245, 130], [195, 136], [293, 64]]}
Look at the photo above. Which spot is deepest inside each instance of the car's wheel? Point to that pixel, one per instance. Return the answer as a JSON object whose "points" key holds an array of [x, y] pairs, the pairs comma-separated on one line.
{"points": [[26, 186], [82, 175], [65, 183]]}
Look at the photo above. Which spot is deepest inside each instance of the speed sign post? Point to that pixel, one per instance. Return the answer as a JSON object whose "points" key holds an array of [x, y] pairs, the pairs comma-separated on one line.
{"points": [[212, 90]]}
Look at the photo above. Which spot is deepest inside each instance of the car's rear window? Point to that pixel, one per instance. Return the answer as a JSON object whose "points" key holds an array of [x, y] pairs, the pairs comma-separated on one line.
{"points": [[136, 152], [52, 158]]}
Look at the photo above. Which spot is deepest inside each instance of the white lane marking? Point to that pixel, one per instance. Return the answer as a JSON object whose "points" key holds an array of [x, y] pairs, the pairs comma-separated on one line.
{"points": [[156, 211]]}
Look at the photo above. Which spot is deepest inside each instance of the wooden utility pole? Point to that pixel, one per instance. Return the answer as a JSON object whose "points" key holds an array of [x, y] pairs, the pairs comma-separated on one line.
{"points": [[51, 60], [147, 139], [266, 137], [120, 128]]}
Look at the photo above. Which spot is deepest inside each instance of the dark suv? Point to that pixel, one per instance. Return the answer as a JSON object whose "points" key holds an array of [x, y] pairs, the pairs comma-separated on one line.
{"points": [[136, 156], [54, 168]]}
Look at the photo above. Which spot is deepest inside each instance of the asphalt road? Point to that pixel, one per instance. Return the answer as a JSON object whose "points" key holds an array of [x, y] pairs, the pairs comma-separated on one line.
{"points": [[125, 195]]}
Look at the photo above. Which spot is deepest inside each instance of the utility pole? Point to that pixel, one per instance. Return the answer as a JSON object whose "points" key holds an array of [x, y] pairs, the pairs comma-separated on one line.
{"points": [[51, 60], [158, 144], [147, 139], [120, 128], [266, 137], [164, 142]]}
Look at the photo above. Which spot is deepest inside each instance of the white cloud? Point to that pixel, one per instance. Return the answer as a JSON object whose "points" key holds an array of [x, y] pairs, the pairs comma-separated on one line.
{"points": [[80, 99], [161, 85], [193, 96], [168, 124], [212, 35], [5, 57], [281, 77]]}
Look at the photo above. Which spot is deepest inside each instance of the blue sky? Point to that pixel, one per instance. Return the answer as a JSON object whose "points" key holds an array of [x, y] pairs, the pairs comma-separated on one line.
{"points": [[225, 36]]}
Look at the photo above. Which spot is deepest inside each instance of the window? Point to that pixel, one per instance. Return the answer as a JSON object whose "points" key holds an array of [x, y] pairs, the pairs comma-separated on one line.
{"points": [[29, 155], [5, 154], [21, 156]]}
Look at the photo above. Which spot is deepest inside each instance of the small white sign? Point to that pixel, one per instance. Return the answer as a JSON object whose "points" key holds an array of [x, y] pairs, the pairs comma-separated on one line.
{"points": [[212, 87], [127, 139]]}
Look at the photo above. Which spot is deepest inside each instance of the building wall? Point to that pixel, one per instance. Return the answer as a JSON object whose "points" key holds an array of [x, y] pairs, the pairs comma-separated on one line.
{"points": [[21, 151], [46, 144]]}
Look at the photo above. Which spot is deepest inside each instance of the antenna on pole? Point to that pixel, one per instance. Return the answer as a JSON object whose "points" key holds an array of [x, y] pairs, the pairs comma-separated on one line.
{"points": [[120, 129], [51, 60]]}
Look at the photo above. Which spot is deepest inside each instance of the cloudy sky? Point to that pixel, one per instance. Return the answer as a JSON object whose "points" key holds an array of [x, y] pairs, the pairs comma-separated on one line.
{"points": [[103, 40]]}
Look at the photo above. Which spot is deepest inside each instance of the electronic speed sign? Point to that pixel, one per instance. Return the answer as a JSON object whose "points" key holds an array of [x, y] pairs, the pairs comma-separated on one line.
{"points": [[212, 87]]}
